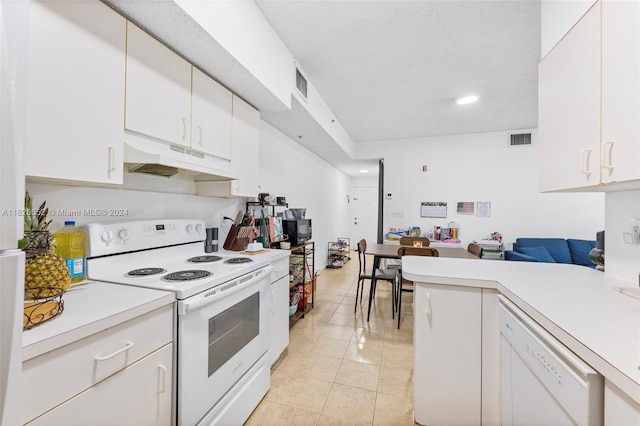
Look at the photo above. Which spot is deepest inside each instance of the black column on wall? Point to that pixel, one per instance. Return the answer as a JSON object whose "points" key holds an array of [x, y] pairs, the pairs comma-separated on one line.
{"points": [[380, 200]]}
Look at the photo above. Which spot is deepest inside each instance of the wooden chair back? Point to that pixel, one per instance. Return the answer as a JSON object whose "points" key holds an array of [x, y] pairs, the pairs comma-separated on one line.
{"points": [[362, 248], [417, 251], [475, 249], [414, 241]]}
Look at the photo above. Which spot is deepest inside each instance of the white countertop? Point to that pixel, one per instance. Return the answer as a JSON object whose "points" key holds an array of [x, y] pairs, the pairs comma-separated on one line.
{"points": [[89, 308], [92, 306], [574, 303]]}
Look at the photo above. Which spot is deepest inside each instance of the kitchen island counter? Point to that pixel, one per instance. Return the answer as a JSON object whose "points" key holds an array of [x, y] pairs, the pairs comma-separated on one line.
{"points": [[578, 305]]}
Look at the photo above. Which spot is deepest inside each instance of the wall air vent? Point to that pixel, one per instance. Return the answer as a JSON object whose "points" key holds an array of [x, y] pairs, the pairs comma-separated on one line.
{"points": [[520, 139], [301, 83]]}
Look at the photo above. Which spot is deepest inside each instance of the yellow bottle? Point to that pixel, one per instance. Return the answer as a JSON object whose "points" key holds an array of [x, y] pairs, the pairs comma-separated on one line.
{"points": [[70, 246]]}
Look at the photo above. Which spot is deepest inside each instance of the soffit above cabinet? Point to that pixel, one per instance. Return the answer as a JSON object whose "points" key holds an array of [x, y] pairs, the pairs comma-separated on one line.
{"points": [[178, 30]]}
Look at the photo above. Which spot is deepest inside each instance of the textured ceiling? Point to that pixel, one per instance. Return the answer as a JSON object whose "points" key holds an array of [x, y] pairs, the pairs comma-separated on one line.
{"points": [[392, 69], [387, 69]]}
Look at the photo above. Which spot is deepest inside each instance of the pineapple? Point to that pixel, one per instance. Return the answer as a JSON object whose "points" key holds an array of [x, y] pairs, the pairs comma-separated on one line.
{"points": [[45, 271]]}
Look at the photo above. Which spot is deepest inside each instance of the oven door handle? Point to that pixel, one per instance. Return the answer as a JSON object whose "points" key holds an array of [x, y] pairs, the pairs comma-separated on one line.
{"points": [[223, 290]]}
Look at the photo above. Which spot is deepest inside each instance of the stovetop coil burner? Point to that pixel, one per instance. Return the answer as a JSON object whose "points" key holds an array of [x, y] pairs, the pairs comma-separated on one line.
{"points": [[188, 275], [145, 272], [204, 259], [238, 260]]}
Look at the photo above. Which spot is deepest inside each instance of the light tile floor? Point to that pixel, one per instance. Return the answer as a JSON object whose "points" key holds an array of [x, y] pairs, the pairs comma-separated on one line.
{"points": [[340, 369]]}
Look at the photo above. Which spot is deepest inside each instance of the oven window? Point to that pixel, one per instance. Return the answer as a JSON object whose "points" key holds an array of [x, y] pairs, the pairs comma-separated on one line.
{"points": [[232, 330]]}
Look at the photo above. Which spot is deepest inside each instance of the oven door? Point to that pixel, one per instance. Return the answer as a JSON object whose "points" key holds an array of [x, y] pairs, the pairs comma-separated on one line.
{"points": [[222, 332]]}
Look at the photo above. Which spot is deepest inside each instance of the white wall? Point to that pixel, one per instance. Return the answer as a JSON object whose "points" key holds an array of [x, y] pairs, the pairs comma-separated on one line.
{"points": [[481, 167], [621, 259], [307, 181]]}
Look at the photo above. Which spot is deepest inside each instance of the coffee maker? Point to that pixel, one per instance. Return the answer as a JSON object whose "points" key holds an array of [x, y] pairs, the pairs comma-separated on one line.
{"points": [[597, 254]]}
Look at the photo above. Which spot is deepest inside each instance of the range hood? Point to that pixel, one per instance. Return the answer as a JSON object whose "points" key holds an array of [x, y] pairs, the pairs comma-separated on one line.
{"points": [[148, 156]]}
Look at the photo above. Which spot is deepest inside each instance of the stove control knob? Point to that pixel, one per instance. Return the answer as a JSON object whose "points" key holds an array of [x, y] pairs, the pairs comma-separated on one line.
{"points": [[106, 236], [189, 228], [123, 234], [199, 228]]}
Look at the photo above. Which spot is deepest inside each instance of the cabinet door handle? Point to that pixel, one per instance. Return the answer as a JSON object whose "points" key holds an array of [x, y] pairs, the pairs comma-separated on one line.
{"points": [[126, 347], [273, 303], [184, 129], [111, 153], [584, 162], [427, 309], [603, 149], [200, 132], [162, 378]]}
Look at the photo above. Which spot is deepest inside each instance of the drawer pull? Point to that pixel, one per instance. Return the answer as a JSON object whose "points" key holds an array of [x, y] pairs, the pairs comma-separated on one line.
{"points": [[128, 346], [162, 378]]}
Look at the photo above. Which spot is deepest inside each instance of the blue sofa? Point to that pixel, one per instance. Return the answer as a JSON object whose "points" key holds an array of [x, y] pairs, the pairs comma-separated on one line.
{"points": [[552, 250]]}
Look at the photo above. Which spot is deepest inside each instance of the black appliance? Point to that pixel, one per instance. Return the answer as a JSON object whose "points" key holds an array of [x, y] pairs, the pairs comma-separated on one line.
{"points": [[597, 254], [298, 230]]}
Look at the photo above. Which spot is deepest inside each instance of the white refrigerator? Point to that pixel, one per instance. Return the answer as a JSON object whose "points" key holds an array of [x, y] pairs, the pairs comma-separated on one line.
{"points": [[13, 42]]}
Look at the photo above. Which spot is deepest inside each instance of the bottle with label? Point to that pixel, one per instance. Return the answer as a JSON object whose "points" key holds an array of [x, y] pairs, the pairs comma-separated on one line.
{"points": [[70, 246]]}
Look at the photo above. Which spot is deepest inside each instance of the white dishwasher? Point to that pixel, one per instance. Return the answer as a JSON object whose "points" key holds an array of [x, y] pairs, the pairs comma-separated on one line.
{"points": [[543, 382]]}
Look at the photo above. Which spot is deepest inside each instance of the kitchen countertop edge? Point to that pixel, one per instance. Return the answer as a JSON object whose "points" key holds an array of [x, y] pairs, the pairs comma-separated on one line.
{"points": [[107, 310], [501, 276]]}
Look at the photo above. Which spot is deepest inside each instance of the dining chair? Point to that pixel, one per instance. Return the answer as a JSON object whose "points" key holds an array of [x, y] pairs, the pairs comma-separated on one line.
{"points": [[405, 285], [475, 249], [390, 275], [415, 241]]}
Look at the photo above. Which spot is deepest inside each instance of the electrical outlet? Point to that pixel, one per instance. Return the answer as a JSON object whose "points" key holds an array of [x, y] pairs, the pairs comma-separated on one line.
{"points": [[388, 196], [627, 237]]}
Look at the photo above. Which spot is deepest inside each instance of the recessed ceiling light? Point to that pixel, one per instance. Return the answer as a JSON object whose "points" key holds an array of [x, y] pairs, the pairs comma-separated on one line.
{"points": [[364, 171], [467, 100]]}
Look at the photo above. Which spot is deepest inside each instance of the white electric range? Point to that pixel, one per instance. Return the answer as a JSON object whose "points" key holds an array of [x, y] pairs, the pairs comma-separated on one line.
{"points": [[223, 310]]}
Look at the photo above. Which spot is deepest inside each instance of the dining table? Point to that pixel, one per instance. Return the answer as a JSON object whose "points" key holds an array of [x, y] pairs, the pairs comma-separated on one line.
{"points": [[390, 251]]}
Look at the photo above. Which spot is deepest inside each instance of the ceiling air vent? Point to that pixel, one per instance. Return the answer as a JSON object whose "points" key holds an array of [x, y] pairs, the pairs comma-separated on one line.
{"points": [[301, 83], [520, 139]]}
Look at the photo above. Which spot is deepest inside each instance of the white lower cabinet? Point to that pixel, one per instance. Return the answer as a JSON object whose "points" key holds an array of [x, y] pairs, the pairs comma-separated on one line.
{"points": [[121, 375], [280, 313], [138, 395], [75, 92], [455, 330], [619, 409]]}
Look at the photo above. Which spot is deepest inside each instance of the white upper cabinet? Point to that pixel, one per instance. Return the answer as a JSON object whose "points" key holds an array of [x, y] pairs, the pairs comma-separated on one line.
{"points": [[569, 108], [211, 116], [589, 103], [168, 99], [245, 155], [246, 148], [620, 156], [75, 92], [158, 95]]}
